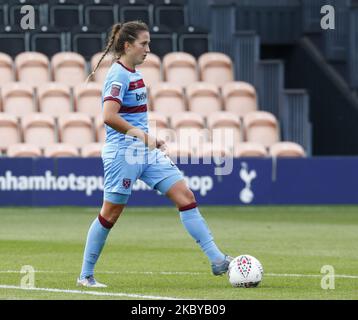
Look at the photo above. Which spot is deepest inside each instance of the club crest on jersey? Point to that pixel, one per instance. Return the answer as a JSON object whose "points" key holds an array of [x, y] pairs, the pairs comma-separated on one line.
{"points": [[126, 183], [115, 90]]}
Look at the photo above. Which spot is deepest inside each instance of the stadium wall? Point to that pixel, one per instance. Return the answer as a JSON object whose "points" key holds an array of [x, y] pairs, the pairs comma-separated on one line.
{"points": [[269, 181]]}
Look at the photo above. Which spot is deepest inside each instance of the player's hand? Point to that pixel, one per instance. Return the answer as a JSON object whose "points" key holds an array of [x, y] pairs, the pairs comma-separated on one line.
{"points": [[161, 145]]}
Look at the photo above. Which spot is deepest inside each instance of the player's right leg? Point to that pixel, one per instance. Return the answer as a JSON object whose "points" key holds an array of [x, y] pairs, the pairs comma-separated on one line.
{"points": [[112, 208]]}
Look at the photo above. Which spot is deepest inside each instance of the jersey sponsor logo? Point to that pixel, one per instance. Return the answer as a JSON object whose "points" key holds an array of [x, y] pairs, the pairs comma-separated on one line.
{"points": [[126, 183], [141, 96], [136, 85], [115, 89]]}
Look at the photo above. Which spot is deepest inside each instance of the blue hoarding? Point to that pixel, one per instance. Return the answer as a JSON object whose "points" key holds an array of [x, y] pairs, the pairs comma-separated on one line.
{"points": [[78, 181]]}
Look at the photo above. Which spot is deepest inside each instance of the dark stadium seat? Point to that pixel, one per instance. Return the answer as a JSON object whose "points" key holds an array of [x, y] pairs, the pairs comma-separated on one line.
{"points": [[65, 15], [136, 10], [100, 15], [13, 40], [3, 14], [172, 14], [162, 41], [193, 40], [48, 40], [87, 42]]}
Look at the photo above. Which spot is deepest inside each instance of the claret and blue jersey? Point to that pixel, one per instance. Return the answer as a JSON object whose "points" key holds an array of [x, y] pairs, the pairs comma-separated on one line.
{"points": [[125, 86]]}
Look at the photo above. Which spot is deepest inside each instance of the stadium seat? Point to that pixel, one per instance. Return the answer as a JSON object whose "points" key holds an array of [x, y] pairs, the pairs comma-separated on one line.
{"points": [[166, 134], [100, 14], [211, 149], [32, 68], [167, 98], [261, 127], [15, 15], [9, 129], [158, 120], [48, 40], [65, 15], [216, 68], [88, 98], [287, 149], [175, 152], [17, 98], [162, 41], [203, 98], [239, 97], [180, 68], [13, 40], [100, 129], [77, 125], [68, 68], [23, 150], [38, 129], [225, 130], [87, 41], [102, 70], [192, 139], [250, 149], [151, 70], [136, 10], [92, 150], [187, 120], [170, 13], [54, 99], [193, 40], [6, 69], [61, 150]]}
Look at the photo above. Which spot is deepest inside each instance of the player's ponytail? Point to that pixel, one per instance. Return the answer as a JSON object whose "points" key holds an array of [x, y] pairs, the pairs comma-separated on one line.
{"points": [[121, 32], [112, 38]]}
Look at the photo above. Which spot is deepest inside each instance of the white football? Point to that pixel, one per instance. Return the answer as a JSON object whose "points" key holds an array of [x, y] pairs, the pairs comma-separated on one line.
{"points": [[245, 271]]}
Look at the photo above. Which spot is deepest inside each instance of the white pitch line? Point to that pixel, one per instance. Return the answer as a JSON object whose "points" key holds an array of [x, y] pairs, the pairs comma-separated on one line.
{"points": [[94, 293], [188, 273]]}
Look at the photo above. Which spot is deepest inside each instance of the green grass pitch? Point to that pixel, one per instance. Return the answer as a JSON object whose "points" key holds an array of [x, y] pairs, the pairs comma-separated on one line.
{"points": [[149, 255]]}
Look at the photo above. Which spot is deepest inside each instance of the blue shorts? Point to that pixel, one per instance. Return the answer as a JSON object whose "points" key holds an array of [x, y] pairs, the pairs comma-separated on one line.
{"points": [[122, 167]]}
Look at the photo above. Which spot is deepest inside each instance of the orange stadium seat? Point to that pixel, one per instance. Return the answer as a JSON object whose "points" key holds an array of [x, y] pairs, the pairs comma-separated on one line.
{"points": [[68, 68], [261, 127], [6, 69], [167, 98], [24, 150], [225, 129], [92, 150], [180, 68], [187, 120], [18, 98], [54, 98], [76, 128], [174, 151], [216, 68], [88, 98], [156, 119], [192, 139], [100, 129], [38, 129], [32, 68], [203, 98], [9, 130], [239, 97], [211, 149], [61, 150], [151, 70], [287, 149], [250, 149], [103, 68]]}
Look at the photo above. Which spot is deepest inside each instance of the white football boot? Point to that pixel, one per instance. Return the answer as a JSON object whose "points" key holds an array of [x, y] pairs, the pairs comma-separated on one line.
{"points": [[90, 282]]}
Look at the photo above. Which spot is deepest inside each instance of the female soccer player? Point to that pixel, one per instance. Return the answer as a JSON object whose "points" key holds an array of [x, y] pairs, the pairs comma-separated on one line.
{"points": [[124, 104]]}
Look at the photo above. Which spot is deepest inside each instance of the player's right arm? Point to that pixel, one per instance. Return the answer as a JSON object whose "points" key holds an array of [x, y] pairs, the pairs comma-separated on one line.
{"points": [[115, 121]]}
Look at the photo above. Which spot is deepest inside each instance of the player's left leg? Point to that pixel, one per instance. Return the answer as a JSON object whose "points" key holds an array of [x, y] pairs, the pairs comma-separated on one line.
{"points": [[164, 176], [197, 227]]}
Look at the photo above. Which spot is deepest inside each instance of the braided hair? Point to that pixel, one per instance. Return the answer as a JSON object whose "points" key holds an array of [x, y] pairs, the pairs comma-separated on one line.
{"points": [[120, 34]]}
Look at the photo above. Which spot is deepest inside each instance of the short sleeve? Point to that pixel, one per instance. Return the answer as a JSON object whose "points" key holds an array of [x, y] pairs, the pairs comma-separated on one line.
{"points": [[116, 86]]}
